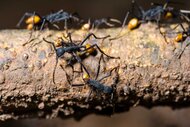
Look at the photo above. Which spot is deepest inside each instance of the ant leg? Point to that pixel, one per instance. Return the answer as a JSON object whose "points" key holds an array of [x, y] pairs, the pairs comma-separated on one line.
{"points": [[105, 77], [80, 61], [93, 26], [60, 11], [114, 88], [184, 16], [21, 20], [56, 58], [70, 38], [91, 34], [158, 19], [115, 20], [180, 24], [95, 45], [163, 34], [65, 27], [183, 29], [43, 23], [132, 6], [109, 74], [30, 40], [125, 19], [90, 92], [51, 44], [139, 9], [98, 67], [111, 20], [55, 70], [67, 76], [186, 43], [76, 85], [123, 25], [109, 24], [55, 25], [98, 22], [176, 26]]}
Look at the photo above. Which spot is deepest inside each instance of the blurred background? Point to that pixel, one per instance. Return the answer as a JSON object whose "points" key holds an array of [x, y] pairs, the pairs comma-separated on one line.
{"points": [[10, 13], [136, 117]]}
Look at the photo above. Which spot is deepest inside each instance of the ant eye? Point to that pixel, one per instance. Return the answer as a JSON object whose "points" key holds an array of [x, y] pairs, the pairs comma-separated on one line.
{"points": [[133, 23]]}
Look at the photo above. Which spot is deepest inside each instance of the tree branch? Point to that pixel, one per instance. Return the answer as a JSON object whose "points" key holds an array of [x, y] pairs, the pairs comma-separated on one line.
{"points": [[150, 74]]}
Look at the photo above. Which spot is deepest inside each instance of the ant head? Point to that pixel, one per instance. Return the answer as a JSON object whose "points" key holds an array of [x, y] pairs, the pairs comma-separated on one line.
{"points": [[133, 23], [179, 37], [33, 19], [85, 77], [58, 42], [30, 26]]}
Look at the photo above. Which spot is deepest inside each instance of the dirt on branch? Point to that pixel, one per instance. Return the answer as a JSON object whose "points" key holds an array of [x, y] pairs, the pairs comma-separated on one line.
{"points": [[151, 72]]}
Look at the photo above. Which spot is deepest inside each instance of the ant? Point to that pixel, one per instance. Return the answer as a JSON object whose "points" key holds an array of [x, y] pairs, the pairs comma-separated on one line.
{"points": [[75, 50], [183, 36], [96, 85], [35, 21], [149, 15], [152, 14], [102, 21], [96, 23]]}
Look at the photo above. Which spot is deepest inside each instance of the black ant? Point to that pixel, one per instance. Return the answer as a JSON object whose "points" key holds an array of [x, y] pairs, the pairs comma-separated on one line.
{"points": [[152, 14], [183, 36], [35, 21], [74, 49], [144, 16], [96, 85]]}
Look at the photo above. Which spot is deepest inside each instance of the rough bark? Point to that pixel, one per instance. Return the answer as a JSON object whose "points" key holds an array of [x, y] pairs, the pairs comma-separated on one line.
{"points": [[151, 72]]}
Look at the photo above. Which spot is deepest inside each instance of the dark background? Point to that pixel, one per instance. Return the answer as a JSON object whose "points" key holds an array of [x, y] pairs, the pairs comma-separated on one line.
{"points": [[136, 117], [12, 10]]}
